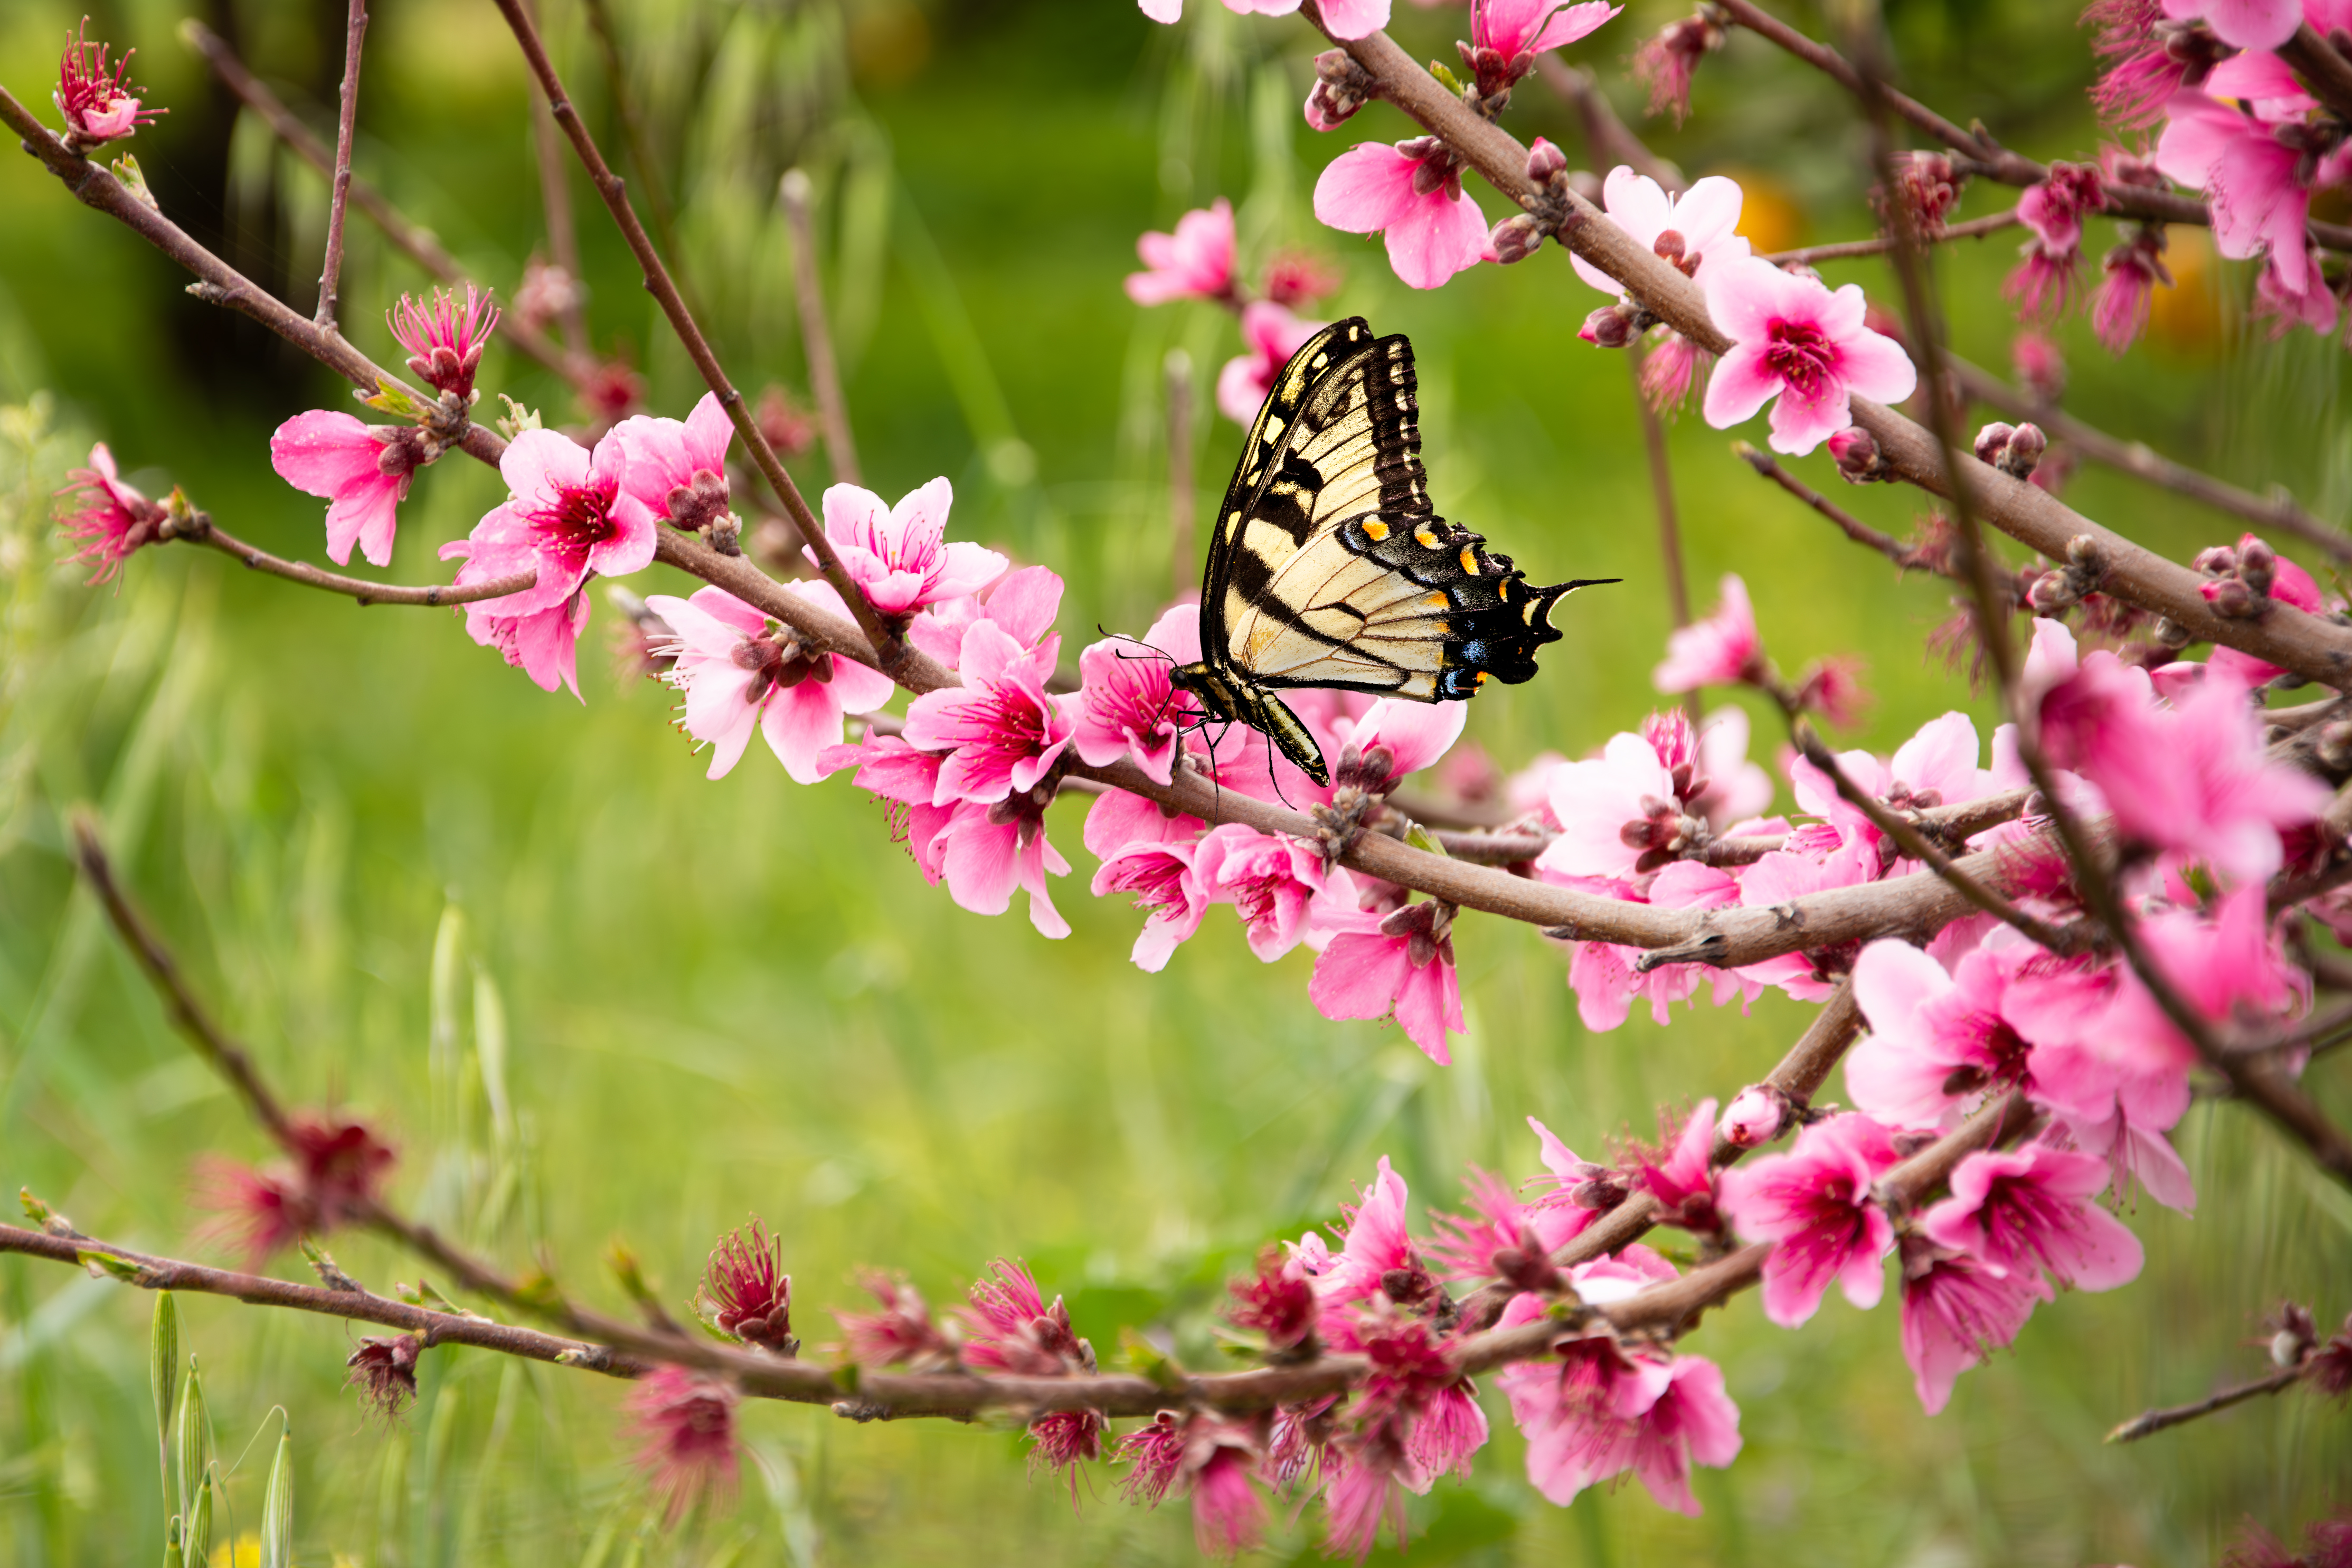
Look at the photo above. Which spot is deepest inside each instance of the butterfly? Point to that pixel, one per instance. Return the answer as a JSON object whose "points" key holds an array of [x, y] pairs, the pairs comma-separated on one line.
{"points": [[1330, 568]]}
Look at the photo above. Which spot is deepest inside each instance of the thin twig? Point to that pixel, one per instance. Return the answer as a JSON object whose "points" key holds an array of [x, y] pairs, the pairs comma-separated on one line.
{"points": [[431, 595], [816, 337], [1852, 249], [2135, 458], [2149, 1423], [888, 648], [411, 239], [346, 126], [562, 231], [1906, 556], [1662, 493]]}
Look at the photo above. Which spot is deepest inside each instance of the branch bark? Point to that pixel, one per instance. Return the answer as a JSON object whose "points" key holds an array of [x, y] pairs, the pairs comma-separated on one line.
{"points": [[430, 594]]}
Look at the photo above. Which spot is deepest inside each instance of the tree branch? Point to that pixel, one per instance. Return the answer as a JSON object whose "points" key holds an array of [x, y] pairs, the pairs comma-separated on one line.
{"points": [[430, 594], [1847, 250], [1904, 555], [339, 199], [793, 193], [2149, 1423]]}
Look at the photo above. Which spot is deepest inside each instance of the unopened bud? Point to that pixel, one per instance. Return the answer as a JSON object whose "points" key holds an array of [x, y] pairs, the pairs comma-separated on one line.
{"points": [[1755, 1117], [2231, 599], [2052, 592], [1516, 237], [2216, 559], [2258, 564], [1545, 162], [2023, 452], [726, 535], [2085, 553], [2168, 633], [1611, 326], [1993, 440], [1856, 453], [2333, 745], [1670, 246]]}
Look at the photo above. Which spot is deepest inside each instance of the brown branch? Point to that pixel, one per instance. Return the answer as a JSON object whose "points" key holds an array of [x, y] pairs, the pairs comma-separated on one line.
{"points": [[816, 337], [2282, 636], [2322, 69], [889, 651], [2149, 1423], [431, 595], [412, 240], [1920, 1177], [1606, 138], [1848, 250], [562, 231], [1906, 556], [339, 200], [2135, 458]]}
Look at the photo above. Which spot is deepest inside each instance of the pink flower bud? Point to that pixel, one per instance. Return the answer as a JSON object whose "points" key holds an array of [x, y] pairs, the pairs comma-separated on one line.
{"points": [[1544, 161], [2231, 599], [1516, 237], [2023, 453], [2258, 564], [2051, 592], [1755, 1117], [1855, 451], [2216, 559], [1992, 441], [1608, 327]]}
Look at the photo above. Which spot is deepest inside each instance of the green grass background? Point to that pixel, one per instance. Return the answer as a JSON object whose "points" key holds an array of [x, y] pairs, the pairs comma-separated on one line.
{"points": [[697, 1001]]}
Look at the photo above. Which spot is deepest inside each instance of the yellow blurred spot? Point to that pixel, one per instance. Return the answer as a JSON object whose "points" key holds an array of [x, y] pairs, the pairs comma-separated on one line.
{"points": [[245, 1553], [890, 42], [1770, 218], [2187, 317]]}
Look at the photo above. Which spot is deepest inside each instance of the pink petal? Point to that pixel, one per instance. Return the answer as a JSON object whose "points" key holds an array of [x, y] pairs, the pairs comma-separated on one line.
{"points": [[1365, 189], [1741, 384]]}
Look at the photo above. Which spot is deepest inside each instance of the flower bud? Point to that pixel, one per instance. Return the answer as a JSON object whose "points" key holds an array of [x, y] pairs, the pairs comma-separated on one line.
{"points": [[2333, 745], [2084, 554], [1670, 246], [1516, 237], [2258, 564], [1855, 450], [1610, 327], [1756, 1116], [1545, 162], [2215, 560], [2231, 599], [2052, 592], [2023, 453], [2168, 633], [1993, 440]]}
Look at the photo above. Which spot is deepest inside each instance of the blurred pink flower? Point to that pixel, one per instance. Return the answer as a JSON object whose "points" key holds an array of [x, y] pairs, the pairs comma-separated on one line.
{"points": [[362, 471], [568, 518], [1937, 1041], [444, 340], [1678, 1171], [679, 469], [1002, 730], [1411, 194], [1704, 222], [1794, 340], [987, 852], [1269, 878], [1955, 1309], [1665, 60], [2044, 283], [893, 770], [1816, 1201], [741, 671], [1196, 262], [2248, 23], [109, 518], [685, 1426], [2121, 305], [1346, 18], [1272, 334], [1401, 962], [1724, 649], [2260, 185], [1376, 1244], [2141, 73], [1754, 1117], [2021, 1209], [1127, 707], [899, 556]]}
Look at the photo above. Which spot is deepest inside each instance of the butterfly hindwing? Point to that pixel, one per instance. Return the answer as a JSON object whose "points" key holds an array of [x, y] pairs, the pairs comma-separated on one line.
{"points": [[1330, 568]]}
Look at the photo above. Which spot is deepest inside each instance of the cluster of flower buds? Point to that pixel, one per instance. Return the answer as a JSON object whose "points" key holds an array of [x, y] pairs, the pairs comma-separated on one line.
{"points": [[1666, 61], [1341, 88], [1927, 188], [2065, 586], [1858, 460], [2015, 449], [1614, 326], [2238, 577]]}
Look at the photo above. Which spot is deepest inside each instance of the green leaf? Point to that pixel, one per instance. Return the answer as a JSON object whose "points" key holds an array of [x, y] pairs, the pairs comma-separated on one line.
{"points": [[517, 419], [198, 1551], [1453, 83], [277, 1504], [1150, 1361], [195, 1443], [105, 1265], [1421, 837], [164, 1367], [394, 401]]}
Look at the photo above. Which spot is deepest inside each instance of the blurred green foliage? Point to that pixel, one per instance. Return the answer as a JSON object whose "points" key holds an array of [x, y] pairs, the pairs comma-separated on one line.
{"points": [[593, 996]]}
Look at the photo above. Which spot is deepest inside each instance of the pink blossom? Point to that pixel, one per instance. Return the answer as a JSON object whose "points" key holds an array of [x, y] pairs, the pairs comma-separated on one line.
{"points": [[899, 556], [1792, 873], [1697, 231], [1169, 11], [1003, 731], [2142, 71], [1272, 334], [1755, 1117], [98, 105], [1022, 603], [1672, 365], [1228, 1513], [1411, 195], [1937, 1040], [679, 470], [1270, 880], [2261, 196], [1376, 1251], [1513, 27], [741, 671], [1816, 1201], [1364, 1485], [908, 779], [1724, 649], [2193, 780], [108, 517], [1595, 800], [1955, 1309], [1401, 962], [1679, 1171], [2044, 283], [1196, 262], [1348, 18], [1127, 708], [362, 470], [685, 1425], [1665, 60], [1602, 974], [445, 341], [1118, 821], [2021, 1209], [2315, 306], [1413, 734], [987, 852], [2248, 23], [745, 1293], [568, 518], [2120, 306], [1794, 340], [1495, 1241], [1160, 877], [543, 643], [1009, 1328], [1691, 1421]]}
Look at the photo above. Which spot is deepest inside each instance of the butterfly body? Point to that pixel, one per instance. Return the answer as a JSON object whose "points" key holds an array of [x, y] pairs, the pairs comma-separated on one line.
{"points": [[1330, 568]]}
